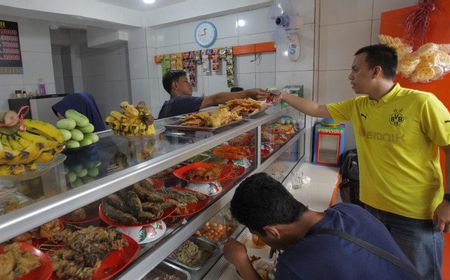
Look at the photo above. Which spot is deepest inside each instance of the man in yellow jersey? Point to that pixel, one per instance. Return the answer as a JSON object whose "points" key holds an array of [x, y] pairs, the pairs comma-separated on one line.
{"points": [[398, 133]]}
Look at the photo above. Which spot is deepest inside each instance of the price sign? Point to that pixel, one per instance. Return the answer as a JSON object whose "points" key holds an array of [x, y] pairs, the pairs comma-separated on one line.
{"points": [[10, 55]]}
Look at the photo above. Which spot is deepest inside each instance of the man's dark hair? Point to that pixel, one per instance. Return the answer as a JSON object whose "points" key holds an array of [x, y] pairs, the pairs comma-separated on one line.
{"points": [[236, 89], [261, 200], [383, 56], [169, 77]]}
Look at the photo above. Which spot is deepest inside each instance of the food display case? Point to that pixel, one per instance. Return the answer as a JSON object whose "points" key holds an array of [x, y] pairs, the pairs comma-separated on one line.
{"points": [[75, 191]]}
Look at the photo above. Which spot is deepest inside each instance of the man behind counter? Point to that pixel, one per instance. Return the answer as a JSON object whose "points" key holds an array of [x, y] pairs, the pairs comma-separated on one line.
{"points": [[181, 101]]}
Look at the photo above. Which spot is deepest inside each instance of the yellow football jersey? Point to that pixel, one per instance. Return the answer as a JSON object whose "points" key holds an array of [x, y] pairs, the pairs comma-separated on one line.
{"points": [[398, 139]]}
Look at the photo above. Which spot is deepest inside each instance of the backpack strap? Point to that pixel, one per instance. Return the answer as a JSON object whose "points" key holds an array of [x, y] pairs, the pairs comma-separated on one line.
{"points": [[373, 249]]}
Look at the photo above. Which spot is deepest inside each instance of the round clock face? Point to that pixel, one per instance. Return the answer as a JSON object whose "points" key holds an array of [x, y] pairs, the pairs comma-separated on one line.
{"points": [[205, 34]]}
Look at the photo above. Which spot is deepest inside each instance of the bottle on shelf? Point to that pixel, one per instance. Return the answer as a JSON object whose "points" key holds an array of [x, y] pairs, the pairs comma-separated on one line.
{"points": [[41, 87]]}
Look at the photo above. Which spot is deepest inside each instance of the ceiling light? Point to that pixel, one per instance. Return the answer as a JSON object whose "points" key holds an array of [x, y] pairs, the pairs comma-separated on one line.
{"points": [[241, 23], [285, 53], [148, 1]]}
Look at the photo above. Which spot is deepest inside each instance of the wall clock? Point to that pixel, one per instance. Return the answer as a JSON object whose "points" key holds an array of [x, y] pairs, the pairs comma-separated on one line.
{"points": [[205, 34]]}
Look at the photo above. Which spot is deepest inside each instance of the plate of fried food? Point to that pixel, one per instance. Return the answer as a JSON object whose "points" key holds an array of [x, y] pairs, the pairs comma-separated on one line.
{"points": [[135, 206], [188, 202], [207, 121], [204, 172], [22, 261], [245, 107], [92, 253], [239, 152], [233, 152]]}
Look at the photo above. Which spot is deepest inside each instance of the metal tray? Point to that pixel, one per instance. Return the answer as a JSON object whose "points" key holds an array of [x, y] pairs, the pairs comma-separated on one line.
{"points": [[209, 250], [167, 268], [177, 126]]}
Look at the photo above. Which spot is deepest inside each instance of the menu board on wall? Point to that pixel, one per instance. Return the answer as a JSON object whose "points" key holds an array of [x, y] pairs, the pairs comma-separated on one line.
{"points": [[10, 56]]}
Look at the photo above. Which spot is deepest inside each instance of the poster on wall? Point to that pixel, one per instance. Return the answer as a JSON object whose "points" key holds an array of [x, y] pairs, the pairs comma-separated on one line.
{"points": [[10, 56]]}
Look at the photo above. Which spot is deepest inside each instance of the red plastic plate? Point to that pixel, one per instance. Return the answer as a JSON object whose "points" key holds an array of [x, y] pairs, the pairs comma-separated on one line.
{"points": [[233, 152], [223, 176], [191, 208], [44, 271], [110, 222], [116, 261]]}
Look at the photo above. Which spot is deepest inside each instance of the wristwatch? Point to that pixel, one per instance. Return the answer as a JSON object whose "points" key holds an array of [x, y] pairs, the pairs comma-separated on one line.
{"points": [[447, 197]]}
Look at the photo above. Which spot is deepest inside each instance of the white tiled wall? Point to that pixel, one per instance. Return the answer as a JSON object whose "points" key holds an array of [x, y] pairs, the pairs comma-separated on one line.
{"points": [[265, 70], [106, 75], [346, 26], [36, 58], [330, 32]]}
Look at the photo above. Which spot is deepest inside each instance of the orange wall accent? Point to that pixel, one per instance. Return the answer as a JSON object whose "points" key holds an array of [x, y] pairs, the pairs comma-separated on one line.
{"points": [[254, 48], [265, 47], [446, 258], [241, 50], [244, 49], [439, 32]]}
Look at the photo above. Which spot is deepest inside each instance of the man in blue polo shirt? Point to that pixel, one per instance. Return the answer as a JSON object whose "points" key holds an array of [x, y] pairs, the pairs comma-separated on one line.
{"points": [[181, 100], [263, 205]]}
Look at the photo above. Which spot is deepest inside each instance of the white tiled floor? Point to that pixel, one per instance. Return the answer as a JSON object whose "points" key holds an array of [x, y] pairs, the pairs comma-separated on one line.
{"points": [[318, 193]]}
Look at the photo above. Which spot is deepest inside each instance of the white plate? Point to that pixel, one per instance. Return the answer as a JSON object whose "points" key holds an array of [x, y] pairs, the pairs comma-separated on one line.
{"points": [[211, 188], [153, 232], [145, 234]]}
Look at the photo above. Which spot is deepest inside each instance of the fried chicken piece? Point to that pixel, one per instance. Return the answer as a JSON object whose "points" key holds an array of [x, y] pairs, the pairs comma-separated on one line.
{"points": [[49, 229], [7, 264], [117, 202], [119, 216], [146, 216], [133, 202], [147, 194], [26, 263]]}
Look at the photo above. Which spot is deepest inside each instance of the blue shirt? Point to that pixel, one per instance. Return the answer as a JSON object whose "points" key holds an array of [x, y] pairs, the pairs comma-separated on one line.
{"points": [[179, 105], [83, 103], [327, 256]]}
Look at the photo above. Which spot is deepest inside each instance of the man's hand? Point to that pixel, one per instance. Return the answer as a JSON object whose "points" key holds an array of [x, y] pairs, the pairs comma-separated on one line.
{"points": [[442, 216], [256, 93], [236, 253]]}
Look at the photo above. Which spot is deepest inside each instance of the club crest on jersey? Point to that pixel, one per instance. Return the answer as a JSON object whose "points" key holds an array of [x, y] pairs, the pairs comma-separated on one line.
{"points": [[397, 117]]}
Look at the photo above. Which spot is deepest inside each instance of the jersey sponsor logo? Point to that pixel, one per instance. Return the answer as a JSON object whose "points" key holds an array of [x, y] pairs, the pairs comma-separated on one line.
{"points": [[382, 136], [364, 116], [397, 117], [447, 121]]}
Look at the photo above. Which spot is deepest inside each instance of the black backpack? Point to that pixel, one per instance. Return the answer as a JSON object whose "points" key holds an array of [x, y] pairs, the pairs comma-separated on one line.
{"points": [[348, 169]]}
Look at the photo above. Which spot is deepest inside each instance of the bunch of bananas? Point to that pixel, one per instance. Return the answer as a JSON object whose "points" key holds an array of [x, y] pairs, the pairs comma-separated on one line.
{"points": [[21, 150], [131, 121]]}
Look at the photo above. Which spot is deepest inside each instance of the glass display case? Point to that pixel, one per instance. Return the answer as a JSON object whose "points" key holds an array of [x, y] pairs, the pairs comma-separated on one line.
{"points": [[209, 164]]}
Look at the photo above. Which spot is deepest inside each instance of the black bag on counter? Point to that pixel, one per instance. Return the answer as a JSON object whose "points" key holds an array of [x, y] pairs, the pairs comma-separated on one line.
{"points": [[348, 169]]}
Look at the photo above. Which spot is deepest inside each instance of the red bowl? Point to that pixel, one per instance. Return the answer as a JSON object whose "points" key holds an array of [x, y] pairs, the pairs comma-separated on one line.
{"points": [[223, 176], [43, 272]]}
